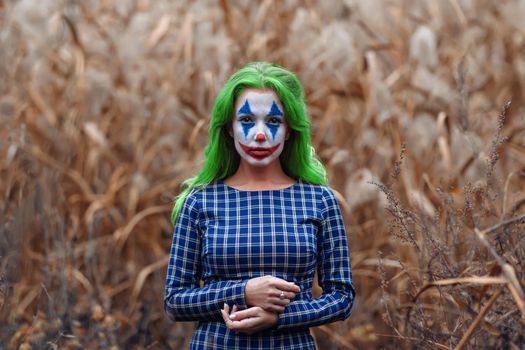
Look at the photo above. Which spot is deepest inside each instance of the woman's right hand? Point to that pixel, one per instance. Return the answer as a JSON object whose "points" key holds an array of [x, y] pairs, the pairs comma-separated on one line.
{"points": [[265, 292]]}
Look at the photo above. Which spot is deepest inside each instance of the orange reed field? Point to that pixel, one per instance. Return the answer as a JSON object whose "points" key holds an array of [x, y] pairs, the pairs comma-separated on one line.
{"points": [[417, 112]]}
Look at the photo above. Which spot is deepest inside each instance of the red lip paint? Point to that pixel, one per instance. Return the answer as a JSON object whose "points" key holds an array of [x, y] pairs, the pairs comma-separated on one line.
{"points": [[259, 152]]}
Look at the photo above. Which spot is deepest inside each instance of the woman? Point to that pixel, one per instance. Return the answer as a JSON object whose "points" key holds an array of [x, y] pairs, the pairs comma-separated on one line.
{"points": [[256, 222]]}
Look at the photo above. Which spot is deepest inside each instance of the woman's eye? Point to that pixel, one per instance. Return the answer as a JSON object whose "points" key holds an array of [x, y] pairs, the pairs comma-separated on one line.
{"points": [[245, 120], [274, 121]]}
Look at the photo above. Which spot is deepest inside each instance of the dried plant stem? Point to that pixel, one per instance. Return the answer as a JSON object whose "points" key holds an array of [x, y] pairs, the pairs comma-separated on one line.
{"points": [[508, 273], [438, 345], [465, 280], [459, 12], [121, 235], [503, 223], [505, 193], [340, 340], [478, 319], [482, 280], [28, 299], [143, 274], [228, 20], [72, 174], [101, 119]]}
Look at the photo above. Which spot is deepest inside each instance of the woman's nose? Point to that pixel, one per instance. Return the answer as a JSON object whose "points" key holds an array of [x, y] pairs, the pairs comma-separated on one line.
{"points": [[260, 137]]}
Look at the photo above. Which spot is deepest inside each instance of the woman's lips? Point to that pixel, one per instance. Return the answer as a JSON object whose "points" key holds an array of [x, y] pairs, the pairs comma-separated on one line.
{"points": [[259, 152]]}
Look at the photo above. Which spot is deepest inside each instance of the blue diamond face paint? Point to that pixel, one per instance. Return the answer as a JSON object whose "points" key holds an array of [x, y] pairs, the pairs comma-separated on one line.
{"points": [[274, 123], [259, 127], [245, 109], [246, 127], [274, 110], [273, 129], [244, 116]]}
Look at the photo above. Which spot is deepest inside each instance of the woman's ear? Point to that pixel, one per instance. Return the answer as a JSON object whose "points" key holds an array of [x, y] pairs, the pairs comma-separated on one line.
{"points": [[230, 130]]}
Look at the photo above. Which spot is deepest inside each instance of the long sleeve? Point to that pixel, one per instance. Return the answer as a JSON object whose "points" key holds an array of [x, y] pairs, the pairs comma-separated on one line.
{"points": [[184, 300], [334, 272]]}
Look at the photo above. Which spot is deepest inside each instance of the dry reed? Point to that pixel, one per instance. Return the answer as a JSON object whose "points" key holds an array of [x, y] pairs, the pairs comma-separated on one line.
{"points": [[104, 108]]}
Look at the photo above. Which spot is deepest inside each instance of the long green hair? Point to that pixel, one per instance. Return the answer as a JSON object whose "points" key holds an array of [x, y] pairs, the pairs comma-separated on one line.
{"points": [[221, 159]]}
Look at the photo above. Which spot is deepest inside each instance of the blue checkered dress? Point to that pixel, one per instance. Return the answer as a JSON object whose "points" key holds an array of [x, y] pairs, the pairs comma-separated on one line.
{"points": [[225, 237]]}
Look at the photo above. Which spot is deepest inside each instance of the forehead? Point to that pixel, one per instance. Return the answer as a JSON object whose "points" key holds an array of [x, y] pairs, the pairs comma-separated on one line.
{"points": [[257, 98]]}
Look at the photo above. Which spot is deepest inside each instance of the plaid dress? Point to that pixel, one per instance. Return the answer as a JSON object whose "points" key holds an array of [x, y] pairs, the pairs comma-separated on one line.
{"points": [[224, 237]]}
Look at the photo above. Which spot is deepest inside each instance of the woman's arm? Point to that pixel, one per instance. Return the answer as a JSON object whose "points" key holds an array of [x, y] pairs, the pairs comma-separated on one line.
{"points": [[184, 300], [334, 271]]}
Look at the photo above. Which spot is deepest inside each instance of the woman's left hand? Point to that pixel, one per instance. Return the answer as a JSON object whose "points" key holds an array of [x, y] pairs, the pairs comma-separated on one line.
{"points": [[249, 321]]}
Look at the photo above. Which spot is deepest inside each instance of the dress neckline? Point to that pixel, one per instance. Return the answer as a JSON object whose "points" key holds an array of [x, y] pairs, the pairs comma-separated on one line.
{"points": [[297, 182]]}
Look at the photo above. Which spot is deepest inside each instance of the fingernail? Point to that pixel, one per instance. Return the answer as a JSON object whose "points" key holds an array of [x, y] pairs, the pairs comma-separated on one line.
{"points": [[232, 316], [224, 306]]}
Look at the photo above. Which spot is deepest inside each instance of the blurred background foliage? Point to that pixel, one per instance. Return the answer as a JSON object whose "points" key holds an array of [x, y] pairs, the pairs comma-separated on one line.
{"points": [[104, 110]]}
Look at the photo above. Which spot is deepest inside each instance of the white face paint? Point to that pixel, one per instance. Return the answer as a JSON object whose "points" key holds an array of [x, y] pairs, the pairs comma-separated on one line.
{"points": [[259, 129]]}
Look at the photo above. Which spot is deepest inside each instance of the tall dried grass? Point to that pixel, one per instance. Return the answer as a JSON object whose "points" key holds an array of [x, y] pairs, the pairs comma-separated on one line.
{"points": [[104, 108]]}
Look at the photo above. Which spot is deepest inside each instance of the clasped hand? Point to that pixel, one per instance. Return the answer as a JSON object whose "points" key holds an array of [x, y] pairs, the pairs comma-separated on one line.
{"points": [[263, 296]]}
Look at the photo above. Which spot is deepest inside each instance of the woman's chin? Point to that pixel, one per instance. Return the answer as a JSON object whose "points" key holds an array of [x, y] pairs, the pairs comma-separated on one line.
{"points": [[260, 163]]}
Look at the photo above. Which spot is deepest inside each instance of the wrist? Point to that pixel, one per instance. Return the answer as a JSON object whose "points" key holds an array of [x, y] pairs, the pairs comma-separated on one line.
{"points": [[236, 294], [247, 292], [275, 322]]}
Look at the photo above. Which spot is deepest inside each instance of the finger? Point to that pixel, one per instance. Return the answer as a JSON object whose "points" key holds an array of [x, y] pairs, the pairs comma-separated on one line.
{"points": [[235, 308], [229, 323], [287, 295], [286, 286], [245, 325], [279, 302], [276, 308], [225, 316], [239, 317], [250, 312]]}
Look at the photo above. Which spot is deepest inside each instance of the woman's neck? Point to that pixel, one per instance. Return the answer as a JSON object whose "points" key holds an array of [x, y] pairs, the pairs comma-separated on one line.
{"points": [[250, 177]]}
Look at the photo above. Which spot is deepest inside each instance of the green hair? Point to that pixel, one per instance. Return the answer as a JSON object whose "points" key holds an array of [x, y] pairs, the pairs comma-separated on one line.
{"points": [[221, 160]]}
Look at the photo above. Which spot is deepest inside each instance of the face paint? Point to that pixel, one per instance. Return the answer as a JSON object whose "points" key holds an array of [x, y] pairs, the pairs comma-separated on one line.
{"points": [[246, 110], [259, 129]]}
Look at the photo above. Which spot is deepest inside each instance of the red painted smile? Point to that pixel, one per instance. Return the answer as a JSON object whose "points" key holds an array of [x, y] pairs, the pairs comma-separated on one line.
{"points": [[259, 152]]}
